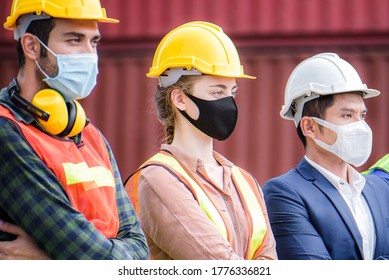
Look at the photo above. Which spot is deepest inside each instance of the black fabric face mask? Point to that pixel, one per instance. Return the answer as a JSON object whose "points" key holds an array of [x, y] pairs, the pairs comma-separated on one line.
{"points": [[217, 118]]}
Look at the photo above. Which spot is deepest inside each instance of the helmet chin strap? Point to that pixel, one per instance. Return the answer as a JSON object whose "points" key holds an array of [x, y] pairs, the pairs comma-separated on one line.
{"points": [[298, 105]]}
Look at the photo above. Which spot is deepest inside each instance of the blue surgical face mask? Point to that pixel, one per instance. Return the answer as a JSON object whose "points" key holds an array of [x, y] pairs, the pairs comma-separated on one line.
{"points": [[77, 74]]}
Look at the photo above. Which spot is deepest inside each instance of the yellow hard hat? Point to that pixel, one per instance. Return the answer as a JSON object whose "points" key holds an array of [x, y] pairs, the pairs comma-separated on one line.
{"points": [[200, 45], [69, 9]]}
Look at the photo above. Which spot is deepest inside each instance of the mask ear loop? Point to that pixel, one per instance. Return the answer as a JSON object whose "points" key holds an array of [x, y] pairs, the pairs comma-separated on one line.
{"points": [[327, 125], [47, 48]]}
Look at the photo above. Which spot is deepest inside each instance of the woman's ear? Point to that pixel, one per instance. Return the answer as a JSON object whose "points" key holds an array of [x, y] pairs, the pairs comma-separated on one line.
{"points": [[309, 127], [178, 99], [31, 46]]}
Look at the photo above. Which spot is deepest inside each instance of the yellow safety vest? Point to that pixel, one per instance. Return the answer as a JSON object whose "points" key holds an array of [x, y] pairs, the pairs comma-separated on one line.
{"points": [[249, 196]]}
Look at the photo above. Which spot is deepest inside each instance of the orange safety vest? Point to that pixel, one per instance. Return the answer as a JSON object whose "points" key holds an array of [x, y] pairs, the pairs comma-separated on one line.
{"points": [[85, 172], [248, 193]]}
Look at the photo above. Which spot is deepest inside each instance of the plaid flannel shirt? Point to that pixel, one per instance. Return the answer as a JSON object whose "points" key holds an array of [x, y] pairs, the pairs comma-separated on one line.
{"points": [[34, 199]]}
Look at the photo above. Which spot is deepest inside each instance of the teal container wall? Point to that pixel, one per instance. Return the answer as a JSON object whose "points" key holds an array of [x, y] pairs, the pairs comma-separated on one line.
{"points": [[272, 37]]}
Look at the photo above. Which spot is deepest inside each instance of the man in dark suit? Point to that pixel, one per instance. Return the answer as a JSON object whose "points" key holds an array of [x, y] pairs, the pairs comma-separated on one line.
{"points": [[324, 208]]}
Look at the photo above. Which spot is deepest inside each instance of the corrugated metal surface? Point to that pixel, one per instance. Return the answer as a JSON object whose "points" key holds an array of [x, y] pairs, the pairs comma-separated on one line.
{"points": [[154, 17], [272, 37], [149, 18]]}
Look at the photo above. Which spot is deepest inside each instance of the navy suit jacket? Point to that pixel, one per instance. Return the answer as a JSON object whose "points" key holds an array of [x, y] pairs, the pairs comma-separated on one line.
{"points": [[310, 219]]}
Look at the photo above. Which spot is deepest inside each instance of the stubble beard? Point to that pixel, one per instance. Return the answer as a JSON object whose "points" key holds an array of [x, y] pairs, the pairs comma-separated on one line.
{"points": [[49, 67]]}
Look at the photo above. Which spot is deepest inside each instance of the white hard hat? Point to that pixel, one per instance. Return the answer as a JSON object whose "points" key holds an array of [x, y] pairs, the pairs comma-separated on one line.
{"points": [[322, 74]]}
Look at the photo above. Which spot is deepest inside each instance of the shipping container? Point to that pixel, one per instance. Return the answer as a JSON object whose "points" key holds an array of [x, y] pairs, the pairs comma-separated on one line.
{"points": [[272, 37]]}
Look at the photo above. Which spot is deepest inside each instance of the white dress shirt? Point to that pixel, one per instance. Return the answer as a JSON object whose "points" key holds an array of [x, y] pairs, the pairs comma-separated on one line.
{"points": [[352, 195]]}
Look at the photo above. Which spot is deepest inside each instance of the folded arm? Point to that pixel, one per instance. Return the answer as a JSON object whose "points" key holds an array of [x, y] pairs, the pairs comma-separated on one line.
{"points": [[35, 200]]}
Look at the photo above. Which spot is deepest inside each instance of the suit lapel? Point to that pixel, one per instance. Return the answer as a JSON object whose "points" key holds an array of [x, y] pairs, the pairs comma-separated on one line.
{"points": [[318, 180]]}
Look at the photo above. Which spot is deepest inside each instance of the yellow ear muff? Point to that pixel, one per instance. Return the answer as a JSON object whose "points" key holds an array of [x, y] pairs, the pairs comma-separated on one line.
{"points": [[79, 121], [66, 118]]}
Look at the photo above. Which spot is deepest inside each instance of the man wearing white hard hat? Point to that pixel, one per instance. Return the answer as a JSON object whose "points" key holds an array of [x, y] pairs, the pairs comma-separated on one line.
{"points": [[324, 208]]}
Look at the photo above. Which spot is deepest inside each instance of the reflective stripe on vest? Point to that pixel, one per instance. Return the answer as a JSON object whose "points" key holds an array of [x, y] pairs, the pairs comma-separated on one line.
{"points": [[85, 172], [81, 173], [259, 223], [252, 207], [202, 198]]}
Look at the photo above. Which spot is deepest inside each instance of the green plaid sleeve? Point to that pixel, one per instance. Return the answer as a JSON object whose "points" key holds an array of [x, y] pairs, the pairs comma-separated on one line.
{"points": [[33, 198], [130, 231]]}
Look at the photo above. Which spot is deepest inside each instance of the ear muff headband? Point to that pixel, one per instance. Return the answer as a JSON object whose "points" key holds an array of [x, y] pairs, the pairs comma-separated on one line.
{"points": [[72, 113], [76, 120], [13, 90]]}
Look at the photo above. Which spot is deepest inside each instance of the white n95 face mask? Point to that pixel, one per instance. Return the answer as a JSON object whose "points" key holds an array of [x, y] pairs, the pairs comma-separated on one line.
{"points": [[353, 144], [77, 74]]}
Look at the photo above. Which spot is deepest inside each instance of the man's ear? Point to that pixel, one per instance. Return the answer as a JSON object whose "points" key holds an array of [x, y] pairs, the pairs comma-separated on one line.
{"points": [[31, 46], [309, 127], [178, 99]]}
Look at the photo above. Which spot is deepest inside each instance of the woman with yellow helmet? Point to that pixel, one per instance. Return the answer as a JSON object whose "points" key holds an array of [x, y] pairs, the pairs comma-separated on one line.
{"points": [[193, 203]]}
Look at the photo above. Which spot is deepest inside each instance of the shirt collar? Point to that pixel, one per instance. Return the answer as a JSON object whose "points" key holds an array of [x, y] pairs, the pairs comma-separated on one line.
{"points": [[356, 180], [193, 162], [19, 113]]}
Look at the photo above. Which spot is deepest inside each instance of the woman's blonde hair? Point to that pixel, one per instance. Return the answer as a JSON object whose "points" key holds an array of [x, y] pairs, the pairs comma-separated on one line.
{"points": [[165, 107]]}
